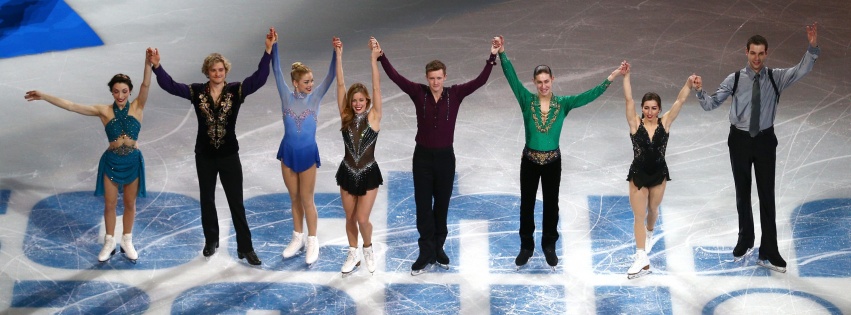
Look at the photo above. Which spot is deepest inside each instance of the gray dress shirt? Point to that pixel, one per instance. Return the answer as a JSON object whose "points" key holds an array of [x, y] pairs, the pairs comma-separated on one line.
{"points": [[740, 111]]}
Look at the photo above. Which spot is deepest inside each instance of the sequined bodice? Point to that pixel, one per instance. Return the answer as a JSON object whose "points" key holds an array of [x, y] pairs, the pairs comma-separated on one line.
{"points": [[122, 124], [359, 139], [649, 154]]}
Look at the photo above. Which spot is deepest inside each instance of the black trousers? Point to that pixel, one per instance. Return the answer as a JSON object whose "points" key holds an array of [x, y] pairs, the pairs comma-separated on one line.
{"points": [[434, 175], [549, 176], [229, 168], [761, 153]]}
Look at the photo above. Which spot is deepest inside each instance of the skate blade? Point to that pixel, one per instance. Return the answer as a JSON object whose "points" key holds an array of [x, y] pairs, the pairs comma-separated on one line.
{"points": [[640, 274], [108, 258], [130, 259], [771, 267], [346, 274], [743, 257], [443, 266]]}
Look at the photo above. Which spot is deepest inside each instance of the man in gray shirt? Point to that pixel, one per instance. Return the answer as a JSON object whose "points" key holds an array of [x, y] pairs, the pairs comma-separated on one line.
{"points": [[756, 91]]}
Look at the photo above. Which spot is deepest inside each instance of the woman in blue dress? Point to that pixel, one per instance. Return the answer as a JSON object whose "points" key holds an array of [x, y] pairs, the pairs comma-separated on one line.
{"points": [[121, 167], [298, 152]]}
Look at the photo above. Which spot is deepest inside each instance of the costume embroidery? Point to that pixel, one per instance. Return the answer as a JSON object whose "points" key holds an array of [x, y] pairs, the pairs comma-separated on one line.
{"points": [[544, 123], [216, 115], [299, 118]]}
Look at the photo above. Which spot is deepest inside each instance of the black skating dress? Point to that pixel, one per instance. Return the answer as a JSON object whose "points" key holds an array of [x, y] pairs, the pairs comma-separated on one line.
{"points": [[648, 167]]}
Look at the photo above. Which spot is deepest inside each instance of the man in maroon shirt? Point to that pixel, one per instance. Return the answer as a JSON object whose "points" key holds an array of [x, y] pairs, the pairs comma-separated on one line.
{"points": [[434, 158]]}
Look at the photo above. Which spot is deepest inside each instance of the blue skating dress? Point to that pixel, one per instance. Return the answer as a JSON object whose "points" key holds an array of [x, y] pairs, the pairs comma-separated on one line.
{"points": [[125, 163], [298, 149]]}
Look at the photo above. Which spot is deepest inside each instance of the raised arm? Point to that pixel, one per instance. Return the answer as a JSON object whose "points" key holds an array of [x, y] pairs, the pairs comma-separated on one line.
{"points": [[468, 88], [631, 117], [95, 110], [404, 84], [257, 79], [341, 83], [520, 92], [376, 81], [283, 88], [142, 98], [785, 77], [164, 80], [710, 102], [323, 87], [671, 115], [575, 101]]}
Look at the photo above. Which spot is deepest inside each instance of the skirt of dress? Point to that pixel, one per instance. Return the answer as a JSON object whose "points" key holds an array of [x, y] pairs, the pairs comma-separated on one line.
{"points": [[121, 169], [299, 159], [358, 182]]}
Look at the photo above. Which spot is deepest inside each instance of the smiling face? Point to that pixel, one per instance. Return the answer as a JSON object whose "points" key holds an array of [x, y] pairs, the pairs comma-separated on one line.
{"points": [[217, 73], [120, 92], [756, 56], [359, 103], [650, 109], [544, 83], [304, 84]]}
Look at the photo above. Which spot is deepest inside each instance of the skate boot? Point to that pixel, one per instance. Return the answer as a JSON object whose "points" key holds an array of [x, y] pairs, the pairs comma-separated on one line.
{"points": [[369, 259], [250, 257], [128, 249], [352, 262], [442, 260], [523, 257], [640, 267], [550, 255], [742, 250], [648, 242], [420, 266], [108, 248], [311, 250], [776, 264], [295, 245], [210, 249]]}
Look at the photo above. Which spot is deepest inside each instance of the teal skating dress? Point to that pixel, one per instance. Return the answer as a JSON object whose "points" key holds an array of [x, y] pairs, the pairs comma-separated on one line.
{"points": [[125, 163]]}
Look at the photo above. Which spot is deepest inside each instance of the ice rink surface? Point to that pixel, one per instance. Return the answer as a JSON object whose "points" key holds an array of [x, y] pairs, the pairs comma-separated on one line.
{"points": [[51, 226]]}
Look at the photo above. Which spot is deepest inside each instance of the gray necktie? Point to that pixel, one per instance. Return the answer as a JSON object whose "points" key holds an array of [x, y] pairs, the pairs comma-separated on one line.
{"points": [[755, 106]]}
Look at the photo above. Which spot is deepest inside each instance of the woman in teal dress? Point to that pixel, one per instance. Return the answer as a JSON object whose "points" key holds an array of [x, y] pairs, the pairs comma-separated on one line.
{"points": [[121, 167]]}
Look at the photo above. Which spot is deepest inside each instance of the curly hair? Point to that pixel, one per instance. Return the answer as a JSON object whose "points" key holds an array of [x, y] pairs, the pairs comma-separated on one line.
{"points": [[211, 60]]}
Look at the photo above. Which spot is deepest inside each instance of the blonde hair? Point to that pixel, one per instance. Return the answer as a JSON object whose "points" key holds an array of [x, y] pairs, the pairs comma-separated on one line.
{"points": [[348, 111], [298, 70], [213, 59]]}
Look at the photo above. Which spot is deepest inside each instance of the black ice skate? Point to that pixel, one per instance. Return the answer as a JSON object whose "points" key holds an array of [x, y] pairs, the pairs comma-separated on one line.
{"points": [[523, 258], [550, 255], [210, 249], [442, 260], [420, 266]]}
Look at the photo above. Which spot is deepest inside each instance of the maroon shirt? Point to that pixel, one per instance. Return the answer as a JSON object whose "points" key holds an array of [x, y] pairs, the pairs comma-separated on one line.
{"points": [[436, 120]]}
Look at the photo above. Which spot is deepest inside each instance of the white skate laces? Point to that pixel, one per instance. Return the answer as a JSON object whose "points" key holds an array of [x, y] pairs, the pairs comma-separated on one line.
{"points": [[127, 247], [351, 262], [295, 245], [108, 248], [312, 250], [369, 259], [641, 265]]}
